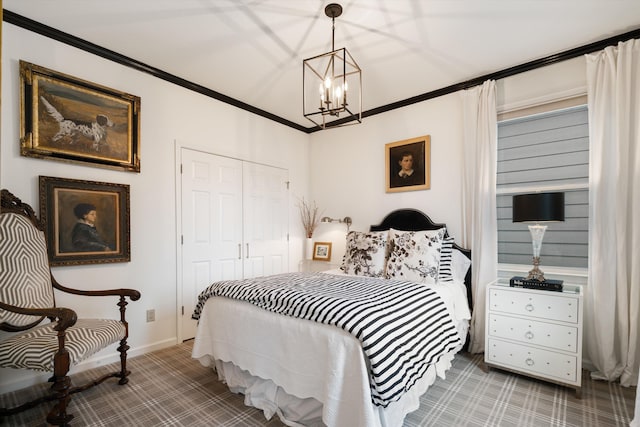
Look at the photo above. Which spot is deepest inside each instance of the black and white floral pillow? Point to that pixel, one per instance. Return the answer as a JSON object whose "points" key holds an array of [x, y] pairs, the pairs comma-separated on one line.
{"points": [[414, 255], [366, 253]]}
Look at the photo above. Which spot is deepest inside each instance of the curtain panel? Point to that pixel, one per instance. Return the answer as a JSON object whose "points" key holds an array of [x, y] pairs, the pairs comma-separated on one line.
{"points": [[479, 213], [613, 287]]}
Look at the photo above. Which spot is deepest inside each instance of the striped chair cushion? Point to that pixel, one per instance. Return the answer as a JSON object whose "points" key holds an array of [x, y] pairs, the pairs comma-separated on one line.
{"points": [[25, 280], [35, 348]]}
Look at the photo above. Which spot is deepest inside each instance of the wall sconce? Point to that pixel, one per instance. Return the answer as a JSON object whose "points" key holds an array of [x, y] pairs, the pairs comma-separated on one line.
{"points": [[345, 220]]}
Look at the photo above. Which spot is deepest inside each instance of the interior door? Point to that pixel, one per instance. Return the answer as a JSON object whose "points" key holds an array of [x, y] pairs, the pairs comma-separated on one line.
{"points": [[265, 213], [211, 226]]}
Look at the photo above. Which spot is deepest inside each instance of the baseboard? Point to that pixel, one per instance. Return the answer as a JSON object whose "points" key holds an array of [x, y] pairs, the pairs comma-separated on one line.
{"points": [[16, 379]]}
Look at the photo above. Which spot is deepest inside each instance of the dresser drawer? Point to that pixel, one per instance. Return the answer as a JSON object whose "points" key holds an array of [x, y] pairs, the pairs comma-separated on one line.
{"points": [[542, 305], [542, 363], [530, 331]]}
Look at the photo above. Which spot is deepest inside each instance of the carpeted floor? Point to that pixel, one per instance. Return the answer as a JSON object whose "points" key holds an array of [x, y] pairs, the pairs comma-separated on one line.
{"points": [[168, 388]]}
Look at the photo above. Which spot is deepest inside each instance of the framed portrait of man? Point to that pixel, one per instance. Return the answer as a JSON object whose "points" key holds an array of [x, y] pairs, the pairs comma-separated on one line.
{"points": [[86, 222], [408, 164]]}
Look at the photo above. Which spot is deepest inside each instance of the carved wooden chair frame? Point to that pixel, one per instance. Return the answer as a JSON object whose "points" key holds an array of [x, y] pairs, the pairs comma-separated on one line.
{"points": [[62, 320]]}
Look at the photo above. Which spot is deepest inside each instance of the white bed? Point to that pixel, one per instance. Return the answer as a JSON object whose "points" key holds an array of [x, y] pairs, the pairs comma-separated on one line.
{"points": [[310, 373]]}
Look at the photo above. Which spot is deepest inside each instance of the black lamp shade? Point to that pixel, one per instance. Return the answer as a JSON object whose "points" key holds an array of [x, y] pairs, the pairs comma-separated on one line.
{"points": [[538, 207]]}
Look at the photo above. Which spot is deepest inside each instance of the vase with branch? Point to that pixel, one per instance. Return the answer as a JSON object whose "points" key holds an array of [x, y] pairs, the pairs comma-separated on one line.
{"points": [[310, 216]]}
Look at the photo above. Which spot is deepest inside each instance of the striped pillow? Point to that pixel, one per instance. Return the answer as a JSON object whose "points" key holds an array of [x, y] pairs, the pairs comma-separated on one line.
{"points": [[445, 273]]}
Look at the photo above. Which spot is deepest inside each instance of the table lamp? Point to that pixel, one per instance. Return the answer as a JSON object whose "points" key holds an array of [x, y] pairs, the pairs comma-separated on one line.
{"points": [[537, 208]]}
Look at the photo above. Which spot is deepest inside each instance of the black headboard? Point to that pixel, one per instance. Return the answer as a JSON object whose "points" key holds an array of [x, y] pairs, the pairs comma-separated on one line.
{"points": [[415, 220]]}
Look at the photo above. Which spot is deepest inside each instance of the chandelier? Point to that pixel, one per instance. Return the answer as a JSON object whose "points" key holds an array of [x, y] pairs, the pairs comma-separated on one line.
{"points": [[332, 84]]}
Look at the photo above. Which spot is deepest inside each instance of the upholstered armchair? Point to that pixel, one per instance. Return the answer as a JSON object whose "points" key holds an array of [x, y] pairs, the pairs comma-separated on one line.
{"points": [[45, 337]]}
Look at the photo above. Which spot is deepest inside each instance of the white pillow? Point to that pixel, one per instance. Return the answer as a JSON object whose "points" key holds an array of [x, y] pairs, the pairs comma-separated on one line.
{"points": [[459, 265], [414, 255], [366, 253]]}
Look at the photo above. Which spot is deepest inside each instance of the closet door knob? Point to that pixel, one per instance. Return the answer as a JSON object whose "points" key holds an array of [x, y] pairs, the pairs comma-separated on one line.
{"points": [[239, 251], [529, 307], [247, 250], [528, 335]]}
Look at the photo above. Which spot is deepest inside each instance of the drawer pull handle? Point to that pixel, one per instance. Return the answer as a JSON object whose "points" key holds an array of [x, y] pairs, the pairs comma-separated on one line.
{"points": [[529, 307], [528, 335], [529, 361]]}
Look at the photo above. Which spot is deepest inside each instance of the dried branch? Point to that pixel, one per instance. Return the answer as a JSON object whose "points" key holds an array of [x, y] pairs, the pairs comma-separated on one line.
{"points": [[310, 216]]}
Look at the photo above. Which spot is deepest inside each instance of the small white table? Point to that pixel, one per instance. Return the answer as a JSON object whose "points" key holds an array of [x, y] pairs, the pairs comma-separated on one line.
{"points": [[309, 265]]}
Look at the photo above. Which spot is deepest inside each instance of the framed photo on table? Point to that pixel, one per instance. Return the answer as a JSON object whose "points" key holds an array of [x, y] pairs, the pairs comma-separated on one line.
{"points": [[73, 120], [86, 222], [322, 251], [408, 164]]}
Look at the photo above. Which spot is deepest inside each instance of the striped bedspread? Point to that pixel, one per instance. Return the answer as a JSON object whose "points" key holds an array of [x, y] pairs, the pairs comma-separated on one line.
{"points": [[403, 326]]}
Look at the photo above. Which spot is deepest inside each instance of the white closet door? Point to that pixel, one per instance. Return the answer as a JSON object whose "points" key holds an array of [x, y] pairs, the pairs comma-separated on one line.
{"points": [[211, 226], [265, 198]]}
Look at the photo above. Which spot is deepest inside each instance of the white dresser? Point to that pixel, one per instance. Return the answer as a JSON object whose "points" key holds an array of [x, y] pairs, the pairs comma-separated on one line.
{"points": [[536, 333]]}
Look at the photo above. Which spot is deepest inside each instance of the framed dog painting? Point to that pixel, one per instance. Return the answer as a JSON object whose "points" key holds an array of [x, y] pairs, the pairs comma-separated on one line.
{"points": [[69, 119], [86, 222]]}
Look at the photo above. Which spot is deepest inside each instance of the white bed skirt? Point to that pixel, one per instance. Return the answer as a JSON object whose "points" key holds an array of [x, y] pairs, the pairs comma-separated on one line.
{"points": [[270, 398], [293, 411], [307, 373]]}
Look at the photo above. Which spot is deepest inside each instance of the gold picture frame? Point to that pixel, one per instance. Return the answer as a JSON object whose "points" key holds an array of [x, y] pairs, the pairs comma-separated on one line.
{"points": [[76, 235], [73, 120], [322, 251], [414, 153]]}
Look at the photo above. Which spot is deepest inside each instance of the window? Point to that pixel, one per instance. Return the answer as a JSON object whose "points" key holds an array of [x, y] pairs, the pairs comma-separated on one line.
{"points": [[545, 152]]}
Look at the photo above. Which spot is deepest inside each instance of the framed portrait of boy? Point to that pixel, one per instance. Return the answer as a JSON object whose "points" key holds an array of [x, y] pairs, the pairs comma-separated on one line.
{"points": [[86, 222], [408, 164]]}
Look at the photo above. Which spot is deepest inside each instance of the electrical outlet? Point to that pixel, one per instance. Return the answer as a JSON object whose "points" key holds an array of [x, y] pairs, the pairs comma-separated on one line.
{"points": [[151, 315]]}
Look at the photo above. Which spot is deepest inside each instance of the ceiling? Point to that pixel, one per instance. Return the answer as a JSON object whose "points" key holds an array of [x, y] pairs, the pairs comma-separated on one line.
{"points": [[252, 50]]}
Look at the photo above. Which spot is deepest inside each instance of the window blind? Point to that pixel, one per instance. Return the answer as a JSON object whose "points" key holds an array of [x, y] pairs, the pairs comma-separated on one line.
{"points": [[545, 152]]}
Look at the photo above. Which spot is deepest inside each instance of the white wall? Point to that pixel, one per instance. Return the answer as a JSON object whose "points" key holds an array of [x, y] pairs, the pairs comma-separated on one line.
{"points": [[348, 168], [170, 116]]}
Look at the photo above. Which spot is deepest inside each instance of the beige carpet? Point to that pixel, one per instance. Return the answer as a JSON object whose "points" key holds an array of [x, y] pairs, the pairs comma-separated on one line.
{"points": [[168, 388]]}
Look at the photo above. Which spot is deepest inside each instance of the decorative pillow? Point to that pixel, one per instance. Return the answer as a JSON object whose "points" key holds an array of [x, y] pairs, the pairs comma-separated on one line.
{"points": [[414, 255], [444, 269], [366, 253], [459, 265]]}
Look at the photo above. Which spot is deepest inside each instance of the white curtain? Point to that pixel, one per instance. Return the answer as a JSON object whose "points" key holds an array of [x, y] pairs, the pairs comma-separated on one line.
{"points": [[613, 289], [636, 418], [479, 216]]}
